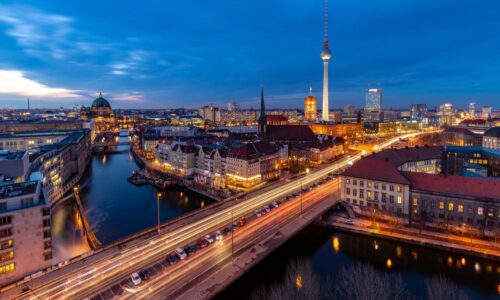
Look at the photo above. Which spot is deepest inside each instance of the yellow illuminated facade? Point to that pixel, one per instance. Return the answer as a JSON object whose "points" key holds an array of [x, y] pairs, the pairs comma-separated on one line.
{"points": [[310, 111]]}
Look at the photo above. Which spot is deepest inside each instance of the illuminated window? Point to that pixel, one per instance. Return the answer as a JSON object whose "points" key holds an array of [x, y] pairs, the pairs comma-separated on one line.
{"points": [[441, 205], [415, 201], [369, 184], [6, 256], [7, 268], [480, 211], [399, 189], [450, 206], [347, 181], [460, 208], [400, 200]]}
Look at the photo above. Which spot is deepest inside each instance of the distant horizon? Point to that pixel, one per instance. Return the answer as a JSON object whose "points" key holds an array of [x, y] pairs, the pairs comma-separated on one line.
{"points": [[161, 54]]}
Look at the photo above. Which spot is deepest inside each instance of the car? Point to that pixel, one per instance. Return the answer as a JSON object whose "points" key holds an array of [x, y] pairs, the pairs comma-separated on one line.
{"points": [[180, 253], [242, 222], [209, 238], [349, 222], [289, 197], [279, 202], [202, 243], [258, 214], [275, 204], [172, 259], [267, 209], [189, 250], [218, 236], [136, 279], [234, 227], [226, 231], [145, 274]]}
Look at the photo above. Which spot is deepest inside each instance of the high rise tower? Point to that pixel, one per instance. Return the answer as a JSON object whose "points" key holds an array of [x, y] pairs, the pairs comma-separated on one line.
{"points": [[325, 55]]}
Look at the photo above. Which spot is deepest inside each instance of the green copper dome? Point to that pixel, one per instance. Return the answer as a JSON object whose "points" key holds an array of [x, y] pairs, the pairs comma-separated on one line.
{"points": [[101, 102]]}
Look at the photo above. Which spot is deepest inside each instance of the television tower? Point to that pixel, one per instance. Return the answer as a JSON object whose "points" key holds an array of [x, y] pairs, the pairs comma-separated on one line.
{"points": [[325, 55]]}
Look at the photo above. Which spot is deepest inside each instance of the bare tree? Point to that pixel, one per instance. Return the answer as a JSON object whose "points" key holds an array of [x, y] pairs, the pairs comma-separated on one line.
{"points": [[440, 288], [363, 282]]}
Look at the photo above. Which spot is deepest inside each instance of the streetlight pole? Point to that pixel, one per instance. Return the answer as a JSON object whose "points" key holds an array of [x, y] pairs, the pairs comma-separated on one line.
{"points": [[232, 237], [158, 195]]}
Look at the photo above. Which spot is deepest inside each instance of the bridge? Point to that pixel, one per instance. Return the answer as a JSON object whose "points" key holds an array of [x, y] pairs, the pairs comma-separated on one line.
{"points": [[110, 144], [89, 233], [105, 273]]}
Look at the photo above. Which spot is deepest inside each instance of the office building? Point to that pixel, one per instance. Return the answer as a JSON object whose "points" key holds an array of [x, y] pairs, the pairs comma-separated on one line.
{"points": [[446, 114], [491, 138], [487, 112], [210, 113], [472, 109], [14, 166], [373, 100], [418, 111]]}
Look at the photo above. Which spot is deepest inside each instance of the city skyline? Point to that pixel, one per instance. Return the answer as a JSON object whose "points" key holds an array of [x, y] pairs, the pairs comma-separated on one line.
{"points": [[65, 55]]}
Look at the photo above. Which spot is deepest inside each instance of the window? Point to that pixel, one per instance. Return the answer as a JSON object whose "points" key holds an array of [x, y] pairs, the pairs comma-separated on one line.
{"points": [[5, 220], [46, 234], [383, 187], [460, 208], [3, 206], [400, 200], [369, 184], [354, 182], [6, 244], [47, 255], [45, 211], [391, 198], [384, 197], [6, 256], [441, 205], [375, 185], [391, 188], [5, 232], [46, 223], [450, 206], [28, 202], [7, 268], [348, 191], [480, 211], [361, 193], [347, 181], [399, 189], [491, 212], [368, 194], [361, 183], [355, 192], [375, 196], [415, 202]]}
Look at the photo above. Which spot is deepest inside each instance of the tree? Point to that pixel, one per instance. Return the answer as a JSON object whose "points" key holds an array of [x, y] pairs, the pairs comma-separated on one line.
{"points": [[440, 288]]}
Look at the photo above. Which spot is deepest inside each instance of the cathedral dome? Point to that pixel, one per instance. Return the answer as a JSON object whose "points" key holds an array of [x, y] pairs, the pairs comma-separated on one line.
{"points": [[100, 102]]}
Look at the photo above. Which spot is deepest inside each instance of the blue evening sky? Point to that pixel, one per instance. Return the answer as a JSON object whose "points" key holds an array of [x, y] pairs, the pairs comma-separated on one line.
{"points": [[153, 53]]}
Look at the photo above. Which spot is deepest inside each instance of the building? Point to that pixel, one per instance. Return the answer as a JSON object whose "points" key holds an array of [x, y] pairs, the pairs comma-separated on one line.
{"points": [[233, 106], [446, 114], [486, 112], [374, 183], [350, 109], [471, 161], [100, 111], [418, 159], [276, 120], [373, 100], [418, 111], [457, 136], [23, 141], [14, 166], [310, 111], [25, 231], [347, 131], [210, 113], [325, 55], [491, 138], [472, 109], [262, 116]]}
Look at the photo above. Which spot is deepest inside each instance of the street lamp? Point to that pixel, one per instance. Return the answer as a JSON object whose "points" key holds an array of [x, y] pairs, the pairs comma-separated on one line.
{"points": [[158, 195]]}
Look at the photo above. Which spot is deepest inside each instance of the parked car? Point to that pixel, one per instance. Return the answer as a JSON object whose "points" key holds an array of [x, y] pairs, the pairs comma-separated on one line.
{"points": [[234, 227], [209, 238], [189, 250], [136, 279], [275, 204], [267, 209], [226, 231], [242, 222], [279, 202], [218, 236], [202, 243], [349, 222], [145, 274], [180, 253], [172, 259], [258, 214]]}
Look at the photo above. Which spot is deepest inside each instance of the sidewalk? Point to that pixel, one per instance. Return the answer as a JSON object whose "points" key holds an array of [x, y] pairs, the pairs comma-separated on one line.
{"points": [[443, 241]]}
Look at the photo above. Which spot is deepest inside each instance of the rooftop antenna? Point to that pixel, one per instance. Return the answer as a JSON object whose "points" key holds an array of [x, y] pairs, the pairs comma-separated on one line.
{"points": [[325, 42], [310, 90]]}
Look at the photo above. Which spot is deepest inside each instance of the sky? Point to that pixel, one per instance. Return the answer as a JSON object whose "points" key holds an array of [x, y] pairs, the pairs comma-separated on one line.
{"points": [[171, 54]]}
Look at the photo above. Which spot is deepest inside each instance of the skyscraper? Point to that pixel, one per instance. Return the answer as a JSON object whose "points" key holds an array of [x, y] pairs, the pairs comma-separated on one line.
{"points": [[373, 101], [472, 109], [325, 55], [418, 111]]}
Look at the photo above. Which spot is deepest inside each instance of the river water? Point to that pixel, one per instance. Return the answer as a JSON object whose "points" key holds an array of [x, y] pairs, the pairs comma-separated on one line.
{"points": [[117, 208]]}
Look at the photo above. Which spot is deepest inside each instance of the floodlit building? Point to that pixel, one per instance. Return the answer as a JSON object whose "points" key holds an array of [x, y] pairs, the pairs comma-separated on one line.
{"points": [[418, 111], [446, 114], [491, 138], [373, 100], [210, 113], [310, 111]]}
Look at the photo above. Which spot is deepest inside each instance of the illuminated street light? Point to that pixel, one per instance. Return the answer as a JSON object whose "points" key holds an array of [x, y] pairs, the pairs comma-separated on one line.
{"points": [[158, 196]]}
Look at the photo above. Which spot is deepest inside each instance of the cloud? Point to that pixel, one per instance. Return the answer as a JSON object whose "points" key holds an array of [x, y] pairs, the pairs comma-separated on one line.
{"points": [[136, 97], [14, 82], [132, 64], [37, 32]]}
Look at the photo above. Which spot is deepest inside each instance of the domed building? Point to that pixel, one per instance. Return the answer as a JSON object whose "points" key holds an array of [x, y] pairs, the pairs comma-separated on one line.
{"points": [[100, 111], [491, 138]]}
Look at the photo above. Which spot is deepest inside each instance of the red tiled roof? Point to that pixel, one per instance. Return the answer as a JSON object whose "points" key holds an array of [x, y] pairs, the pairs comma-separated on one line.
{"points": [[457, 185], [397, 157], [459, 130], [276, 118], [252, 150], [376, 169], [290, 133]]}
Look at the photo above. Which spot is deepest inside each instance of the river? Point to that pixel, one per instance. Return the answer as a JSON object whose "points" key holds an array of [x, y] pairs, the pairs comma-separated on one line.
{"points": [[117, 208]]}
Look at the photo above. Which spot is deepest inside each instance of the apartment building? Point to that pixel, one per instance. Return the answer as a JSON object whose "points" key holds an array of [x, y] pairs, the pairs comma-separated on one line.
{"points": [[25, 231]]}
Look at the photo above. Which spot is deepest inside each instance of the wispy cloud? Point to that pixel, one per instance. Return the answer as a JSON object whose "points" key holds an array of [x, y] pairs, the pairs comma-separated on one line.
{"points": [[14, 82], [135, 96], [132, 64]]}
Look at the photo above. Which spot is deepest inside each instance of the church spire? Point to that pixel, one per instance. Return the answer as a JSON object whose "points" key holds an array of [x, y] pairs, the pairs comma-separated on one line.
{"points": [[262, 117]]}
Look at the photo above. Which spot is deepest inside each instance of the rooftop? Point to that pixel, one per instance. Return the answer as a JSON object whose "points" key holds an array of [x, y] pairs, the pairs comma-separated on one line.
{"points": [[18, 189], [398, 157], [7, 155], [455, 185], [379, 169]]}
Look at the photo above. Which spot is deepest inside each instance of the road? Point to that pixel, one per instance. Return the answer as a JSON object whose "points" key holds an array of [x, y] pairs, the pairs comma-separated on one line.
{"points": [[87, 280]]}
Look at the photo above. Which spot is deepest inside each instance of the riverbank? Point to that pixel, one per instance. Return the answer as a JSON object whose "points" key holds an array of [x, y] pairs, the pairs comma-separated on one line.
{"points": [[441, 241]]}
